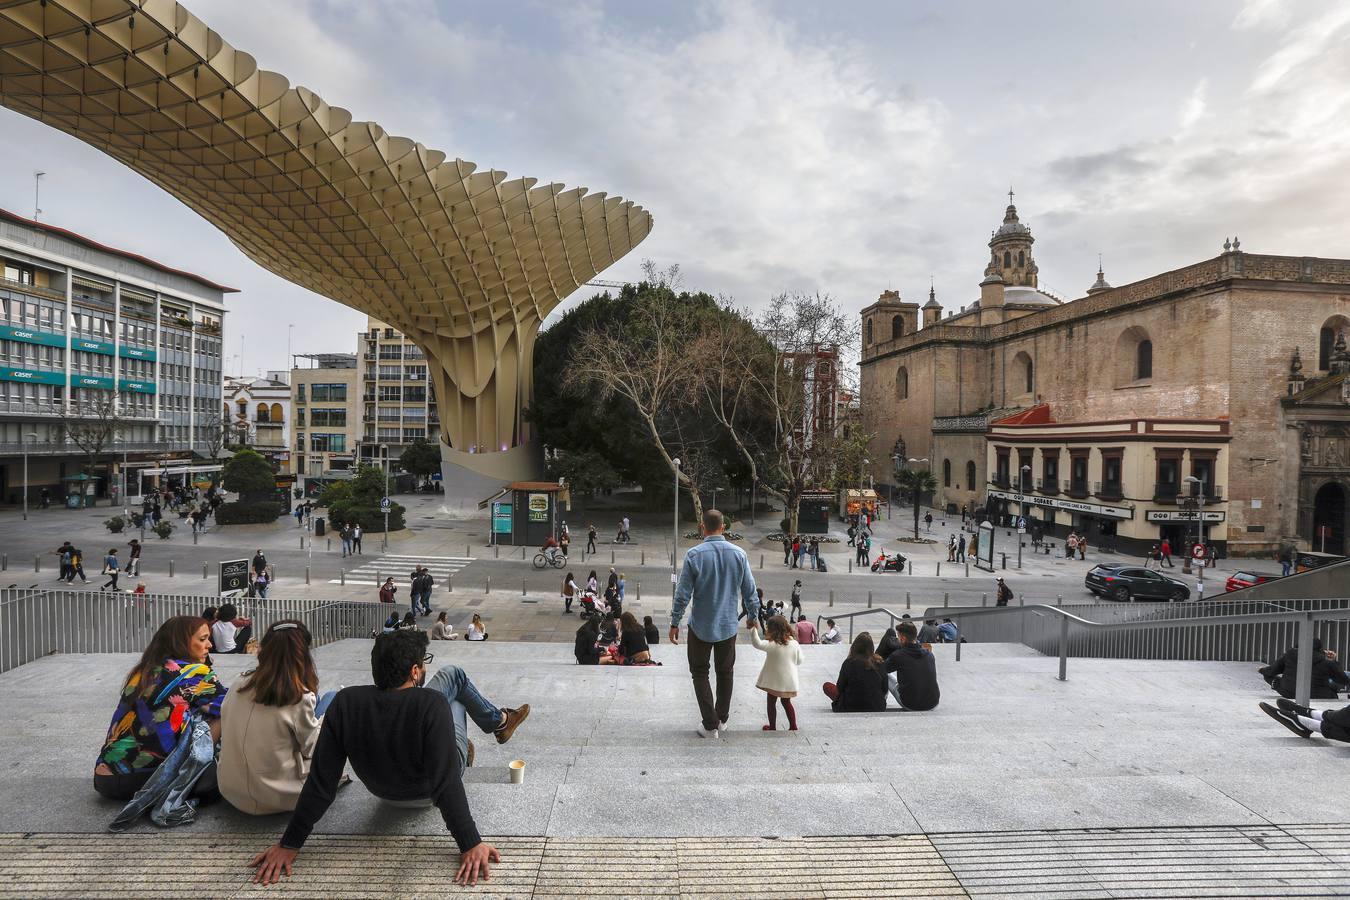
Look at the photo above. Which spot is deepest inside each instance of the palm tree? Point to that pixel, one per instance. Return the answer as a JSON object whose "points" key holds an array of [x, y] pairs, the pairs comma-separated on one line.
{"points": [[918, 482]]}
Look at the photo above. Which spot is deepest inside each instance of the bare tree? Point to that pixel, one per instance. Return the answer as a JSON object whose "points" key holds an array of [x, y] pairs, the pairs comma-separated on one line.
{"points": [[215, 440], [92, 425], [805, 332], [647, 362]]}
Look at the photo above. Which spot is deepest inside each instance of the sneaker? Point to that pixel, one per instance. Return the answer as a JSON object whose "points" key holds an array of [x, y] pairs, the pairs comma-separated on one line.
{"points": [[468, 764], [1292, 708], [513, 719], [704, 733], [1287, 720]]}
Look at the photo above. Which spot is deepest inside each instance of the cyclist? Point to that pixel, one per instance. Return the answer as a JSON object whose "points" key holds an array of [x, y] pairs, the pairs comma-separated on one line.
{"points": [[550, 548]]}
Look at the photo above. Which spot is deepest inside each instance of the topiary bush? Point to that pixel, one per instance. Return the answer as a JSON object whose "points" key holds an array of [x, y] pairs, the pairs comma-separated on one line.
{"points": [[163, 529], [116, 524], [369, 516], [248, 512]]}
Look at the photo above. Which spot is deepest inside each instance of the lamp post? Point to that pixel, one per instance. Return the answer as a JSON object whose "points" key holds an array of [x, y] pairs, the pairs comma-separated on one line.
{"points": [[917, 496], [384, 452], [1199, 528], [126, 504], [895, 468], [26, 438], [675, 532]]}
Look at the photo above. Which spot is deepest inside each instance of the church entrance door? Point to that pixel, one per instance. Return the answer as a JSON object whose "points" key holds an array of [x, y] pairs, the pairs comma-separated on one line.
{"points": [[1329, 510]]}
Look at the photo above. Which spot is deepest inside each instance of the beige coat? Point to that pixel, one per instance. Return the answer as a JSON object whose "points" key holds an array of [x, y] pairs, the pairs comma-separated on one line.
{"points": [[779, 675], [264, 751]]}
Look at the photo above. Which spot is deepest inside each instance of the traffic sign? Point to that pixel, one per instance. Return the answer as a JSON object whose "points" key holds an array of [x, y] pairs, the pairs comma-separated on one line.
{"points": [[385, 504], [1198, 551]]}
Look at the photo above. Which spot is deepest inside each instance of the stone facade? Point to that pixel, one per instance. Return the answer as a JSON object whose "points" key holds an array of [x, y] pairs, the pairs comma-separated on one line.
{"points": [[1218, 336]]}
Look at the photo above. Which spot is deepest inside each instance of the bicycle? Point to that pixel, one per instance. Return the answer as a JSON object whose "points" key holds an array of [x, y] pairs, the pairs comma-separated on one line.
{"points": [[544, 560]]}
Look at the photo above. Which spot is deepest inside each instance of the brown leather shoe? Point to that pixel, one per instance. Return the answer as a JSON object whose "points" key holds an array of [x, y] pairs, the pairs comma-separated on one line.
{"points": [[468, 764], [513, 719]]}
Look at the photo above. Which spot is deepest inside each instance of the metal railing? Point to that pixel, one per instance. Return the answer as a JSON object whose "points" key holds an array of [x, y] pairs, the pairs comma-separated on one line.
{"points": [[36, 623], [1196, 631]]}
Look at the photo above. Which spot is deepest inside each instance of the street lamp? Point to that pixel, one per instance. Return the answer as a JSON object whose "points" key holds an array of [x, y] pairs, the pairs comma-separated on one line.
{"points": [[27, 437], [1026, 479], [675, 534], [895, 468], [384, 451], [1199, 528]]}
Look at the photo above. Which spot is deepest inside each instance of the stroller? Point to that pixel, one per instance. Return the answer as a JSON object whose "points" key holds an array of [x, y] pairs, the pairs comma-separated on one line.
{"points": [[588, 607]]}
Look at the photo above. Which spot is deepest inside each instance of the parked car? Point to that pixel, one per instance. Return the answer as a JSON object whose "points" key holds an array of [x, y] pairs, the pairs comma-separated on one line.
{"points": [[1128, 582], [1240, 580]]}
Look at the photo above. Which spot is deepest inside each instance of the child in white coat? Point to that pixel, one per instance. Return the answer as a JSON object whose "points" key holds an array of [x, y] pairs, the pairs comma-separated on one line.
{"points": [[778, 678]]}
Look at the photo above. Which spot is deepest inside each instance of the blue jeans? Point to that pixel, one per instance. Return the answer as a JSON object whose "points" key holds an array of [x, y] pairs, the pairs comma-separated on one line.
{"points": [[465, 703], [322, 706]]}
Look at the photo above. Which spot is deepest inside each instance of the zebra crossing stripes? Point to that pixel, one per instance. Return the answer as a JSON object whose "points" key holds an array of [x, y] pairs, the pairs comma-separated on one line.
{"points": [[379, 568]]}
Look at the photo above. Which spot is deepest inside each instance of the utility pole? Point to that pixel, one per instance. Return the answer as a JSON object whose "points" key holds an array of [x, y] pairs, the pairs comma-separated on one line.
{"points": [[37, 194]]}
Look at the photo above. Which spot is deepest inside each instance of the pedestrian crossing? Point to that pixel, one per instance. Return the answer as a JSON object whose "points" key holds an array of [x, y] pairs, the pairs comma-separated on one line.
{"points": [[379, 568]]}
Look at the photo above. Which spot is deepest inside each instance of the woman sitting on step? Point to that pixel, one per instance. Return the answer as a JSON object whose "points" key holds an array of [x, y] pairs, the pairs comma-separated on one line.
{"points": [[861, 686], [270, 723], [172, 681]]}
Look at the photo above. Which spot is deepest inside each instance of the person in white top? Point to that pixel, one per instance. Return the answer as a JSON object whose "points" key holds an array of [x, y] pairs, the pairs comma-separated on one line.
{"points": [[476, 631], [778, 678], [831, 635], [229, 633]]}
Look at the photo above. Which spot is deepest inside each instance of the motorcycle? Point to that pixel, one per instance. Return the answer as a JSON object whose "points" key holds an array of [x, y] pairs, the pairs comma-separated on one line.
{"points": [[884, 563]]}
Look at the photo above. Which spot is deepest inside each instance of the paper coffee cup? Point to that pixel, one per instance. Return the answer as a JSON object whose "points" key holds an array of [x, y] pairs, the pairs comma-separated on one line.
{"points": [[517, 767]]}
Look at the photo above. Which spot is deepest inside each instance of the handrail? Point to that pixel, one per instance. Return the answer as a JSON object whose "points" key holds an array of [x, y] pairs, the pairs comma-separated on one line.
{"points": [[1304, 619]]}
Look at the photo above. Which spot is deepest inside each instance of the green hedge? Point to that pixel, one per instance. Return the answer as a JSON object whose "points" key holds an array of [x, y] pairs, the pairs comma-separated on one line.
{"points": [[370, 516], [253, 512]]}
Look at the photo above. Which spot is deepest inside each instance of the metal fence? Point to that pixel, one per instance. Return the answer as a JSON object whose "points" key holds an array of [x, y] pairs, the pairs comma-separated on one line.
{"points": [[36, 623]]}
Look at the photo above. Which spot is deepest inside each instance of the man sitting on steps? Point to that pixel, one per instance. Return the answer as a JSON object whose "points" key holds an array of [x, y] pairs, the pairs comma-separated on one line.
{"points": [[407, 743], [913, 671]]}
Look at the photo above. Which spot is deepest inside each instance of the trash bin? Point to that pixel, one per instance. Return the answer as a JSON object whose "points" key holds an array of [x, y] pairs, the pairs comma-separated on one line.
{"points": [[318, 526], [72, 501]]}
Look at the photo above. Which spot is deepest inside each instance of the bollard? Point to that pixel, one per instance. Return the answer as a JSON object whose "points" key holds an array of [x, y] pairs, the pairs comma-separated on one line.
{"points": [[37, 564], [761, 562], [522, 553], [1059, 599], [302, 542], [639, 592], [342, 576], [449, 584], [946, 600], [306, 574], [496, 551], [466, 550], [203, 571], [984, 599], [869, 599], [911, 567], [958, 639], [170, 568], [644, 559], [850, 567], [489, 585], [907, 603], [832, 596], [4, 562], [330, 543], [968, 568], [1005, 561], [1021, 600], [611, 557], [939, 569], [522, 587], [194, 537]]}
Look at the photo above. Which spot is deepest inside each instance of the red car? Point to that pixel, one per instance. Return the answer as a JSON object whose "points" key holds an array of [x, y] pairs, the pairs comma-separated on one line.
{"points": [[1246, 579]]}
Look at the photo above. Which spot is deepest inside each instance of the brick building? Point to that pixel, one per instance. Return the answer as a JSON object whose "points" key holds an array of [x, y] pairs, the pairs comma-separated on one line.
{"points": [[1205, 372]]}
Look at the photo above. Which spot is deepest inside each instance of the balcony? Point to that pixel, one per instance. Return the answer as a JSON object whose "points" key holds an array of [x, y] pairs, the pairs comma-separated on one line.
{"points": [[1000, 481], [1166, 491], [1048, 486], [1213, 492], [1078, 490], [1107, 490]]}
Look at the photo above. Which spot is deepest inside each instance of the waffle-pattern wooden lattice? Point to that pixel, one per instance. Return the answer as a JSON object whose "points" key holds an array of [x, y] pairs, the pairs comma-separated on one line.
{"points": [[467, 263]]}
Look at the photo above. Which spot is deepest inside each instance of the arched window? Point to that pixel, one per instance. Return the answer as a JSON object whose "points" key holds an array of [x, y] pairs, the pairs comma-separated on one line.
{"points": [[263, 413], [946, 473], [1326, 339], [897, 327], [1143, 366], [1021, 378], [1007, 260], [1021, 258], [277, 416], [1030, 377], [970, 475], [902, 384], [243, 409], [868, 329]]}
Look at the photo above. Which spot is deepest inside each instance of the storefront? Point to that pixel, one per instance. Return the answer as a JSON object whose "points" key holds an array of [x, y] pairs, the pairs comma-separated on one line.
{"points": [[1057, 516]]}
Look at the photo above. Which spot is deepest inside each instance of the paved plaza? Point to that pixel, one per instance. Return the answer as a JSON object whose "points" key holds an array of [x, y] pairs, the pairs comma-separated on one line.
{"points": [[1018, 784]]}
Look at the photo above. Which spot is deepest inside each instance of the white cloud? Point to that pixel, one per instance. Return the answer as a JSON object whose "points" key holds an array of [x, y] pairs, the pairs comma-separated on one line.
{"points": [[1261, 13], [1194, 107]]}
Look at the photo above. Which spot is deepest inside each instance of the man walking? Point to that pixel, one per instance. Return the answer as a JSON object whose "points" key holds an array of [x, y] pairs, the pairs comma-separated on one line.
{"points": [[928, 521], [259, 564], [356, 538], [961, 549], [796, 610], [1167, 553], [1004, 594], [345, 532], [714, 574], [860, 557], [590, 539]]}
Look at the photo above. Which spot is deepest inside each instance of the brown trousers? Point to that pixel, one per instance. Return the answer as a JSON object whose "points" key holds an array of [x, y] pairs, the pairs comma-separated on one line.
{"points": [[723, 655]]}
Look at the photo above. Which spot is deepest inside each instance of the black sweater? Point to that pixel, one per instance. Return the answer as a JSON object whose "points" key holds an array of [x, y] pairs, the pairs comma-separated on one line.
{"points": [[1283, 673], [402, 746], [916, 673], [861, 688]]}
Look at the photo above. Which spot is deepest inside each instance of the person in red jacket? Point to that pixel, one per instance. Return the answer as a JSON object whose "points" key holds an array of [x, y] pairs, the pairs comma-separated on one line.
{"points": [[1166, 550]]}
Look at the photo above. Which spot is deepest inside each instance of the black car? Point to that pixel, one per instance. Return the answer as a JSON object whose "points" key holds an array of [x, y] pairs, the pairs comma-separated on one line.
{"points": [[1127, 582]]}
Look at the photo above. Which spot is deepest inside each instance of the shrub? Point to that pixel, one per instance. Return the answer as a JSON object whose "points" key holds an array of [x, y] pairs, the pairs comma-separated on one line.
{"points": [[369, 516], [248, 512], [163, 529], [116, 524]]}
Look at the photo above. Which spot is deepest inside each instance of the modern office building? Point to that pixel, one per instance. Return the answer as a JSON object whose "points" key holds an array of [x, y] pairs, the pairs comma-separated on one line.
{"points": [[398, 402], [325, 397], [111, 364]]}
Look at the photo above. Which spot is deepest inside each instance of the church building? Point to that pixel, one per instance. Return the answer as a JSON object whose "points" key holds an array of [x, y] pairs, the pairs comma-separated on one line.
{"points": [[1215, 397]]}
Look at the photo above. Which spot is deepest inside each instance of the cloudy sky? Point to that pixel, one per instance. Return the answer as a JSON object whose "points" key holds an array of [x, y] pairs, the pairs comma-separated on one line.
{"points": [[847, 147]]}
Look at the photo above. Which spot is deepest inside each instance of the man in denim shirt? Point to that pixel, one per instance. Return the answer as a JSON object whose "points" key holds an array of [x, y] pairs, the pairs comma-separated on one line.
{"points": [[715, 573]]}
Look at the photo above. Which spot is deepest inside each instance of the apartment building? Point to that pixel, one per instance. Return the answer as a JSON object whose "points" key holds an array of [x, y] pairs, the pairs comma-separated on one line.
{"points": [[326, 417], [108, 360], [257, 414], [398, 404]]}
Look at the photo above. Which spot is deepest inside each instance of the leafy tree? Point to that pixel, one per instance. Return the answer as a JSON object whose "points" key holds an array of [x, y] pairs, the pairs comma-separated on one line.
{"points": [[362, 502], [421, 458], [918, 482], [586, 471], [250, 475], [335, 492]]}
